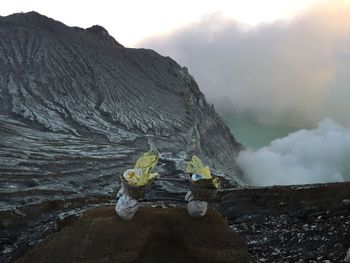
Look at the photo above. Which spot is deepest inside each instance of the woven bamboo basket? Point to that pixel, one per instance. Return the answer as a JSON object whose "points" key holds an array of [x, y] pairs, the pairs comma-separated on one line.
{"points": [[136, 192], [202, 194]]}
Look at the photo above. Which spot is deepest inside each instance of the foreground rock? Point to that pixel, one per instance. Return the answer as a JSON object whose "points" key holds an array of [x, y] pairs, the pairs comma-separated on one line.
{"points": [[280, 224], [292, 223], [154, 235]]}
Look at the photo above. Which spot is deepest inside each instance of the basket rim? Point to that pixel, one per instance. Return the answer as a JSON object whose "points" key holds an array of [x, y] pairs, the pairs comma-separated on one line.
{"points": [[202, 188], [136, 192]]}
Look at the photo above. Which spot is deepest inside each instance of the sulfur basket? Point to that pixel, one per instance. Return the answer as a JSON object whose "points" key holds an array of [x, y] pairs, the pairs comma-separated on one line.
{"points": [[136, 192]]}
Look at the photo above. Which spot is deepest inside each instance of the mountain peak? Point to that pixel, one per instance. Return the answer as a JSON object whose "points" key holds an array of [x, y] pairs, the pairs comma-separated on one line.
{"points": [[32, 17], [40, 23], [100, 31], [97, 29]]}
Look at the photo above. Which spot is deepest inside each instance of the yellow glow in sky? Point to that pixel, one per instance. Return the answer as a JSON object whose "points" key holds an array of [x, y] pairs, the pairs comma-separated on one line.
{"points": [[130, 21]]}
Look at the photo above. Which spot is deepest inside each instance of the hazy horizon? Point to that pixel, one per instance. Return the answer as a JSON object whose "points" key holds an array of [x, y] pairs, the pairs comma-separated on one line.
{"points": [[295, 72]]}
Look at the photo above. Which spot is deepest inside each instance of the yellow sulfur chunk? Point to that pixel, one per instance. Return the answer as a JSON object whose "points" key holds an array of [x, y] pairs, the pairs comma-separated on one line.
{"points": [[195, 166], [142, 174], [147, 161], [205, 172]]}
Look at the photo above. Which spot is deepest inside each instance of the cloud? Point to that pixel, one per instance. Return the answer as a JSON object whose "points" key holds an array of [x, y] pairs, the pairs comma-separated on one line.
{"points": [[320, 155], [296, 72]]}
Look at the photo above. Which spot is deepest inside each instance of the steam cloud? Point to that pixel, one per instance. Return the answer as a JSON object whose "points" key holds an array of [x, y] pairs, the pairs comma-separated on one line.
{"points": [[296, 72], [320, 155], [293, 72]]}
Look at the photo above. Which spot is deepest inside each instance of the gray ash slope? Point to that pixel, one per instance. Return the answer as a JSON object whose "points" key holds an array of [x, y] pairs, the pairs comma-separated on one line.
{"points": [[70, 92], [77, 108]]}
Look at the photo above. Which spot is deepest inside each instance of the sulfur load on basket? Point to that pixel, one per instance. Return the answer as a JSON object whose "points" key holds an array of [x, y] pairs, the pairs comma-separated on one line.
{"points": [[203, 185], [137, 181], [147, 162]]}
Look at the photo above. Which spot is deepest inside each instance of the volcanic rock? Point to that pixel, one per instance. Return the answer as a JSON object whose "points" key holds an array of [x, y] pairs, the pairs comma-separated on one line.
{"points": [[308, 223], [153, 235]]}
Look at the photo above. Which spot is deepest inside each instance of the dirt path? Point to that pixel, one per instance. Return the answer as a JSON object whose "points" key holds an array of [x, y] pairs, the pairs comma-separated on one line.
{"points": [[154, 235]]}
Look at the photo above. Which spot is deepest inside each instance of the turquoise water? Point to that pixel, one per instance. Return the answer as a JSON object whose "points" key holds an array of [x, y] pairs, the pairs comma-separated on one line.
{"points": [[253, 134]]}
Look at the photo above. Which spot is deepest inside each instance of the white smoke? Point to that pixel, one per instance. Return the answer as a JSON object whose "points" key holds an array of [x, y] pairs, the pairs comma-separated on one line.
{"points": [[293, 72], [320, 155]]}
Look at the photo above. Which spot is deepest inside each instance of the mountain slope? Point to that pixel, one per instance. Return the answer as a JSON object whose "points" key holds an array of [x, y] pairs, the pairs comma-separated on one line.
{"points": [[77, 109]]}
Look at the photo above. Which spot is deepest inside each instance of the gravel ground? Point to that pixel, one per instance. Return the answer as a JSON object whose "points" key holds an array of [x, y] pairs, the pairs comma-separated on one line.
{"points": [[316, 237], [286, 224]]}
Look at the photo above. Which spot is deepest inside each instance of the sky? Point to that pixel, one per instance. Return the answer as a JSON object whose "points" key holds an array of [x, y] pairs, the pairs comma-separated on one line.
{"points": [[131, 21], [294, 71]]}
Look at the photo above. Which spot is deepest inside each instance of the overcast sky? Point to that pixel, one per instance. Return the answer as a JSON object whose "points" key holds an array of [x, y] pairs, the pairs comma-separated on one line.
{"points": [[296, 71], [130, 21]]}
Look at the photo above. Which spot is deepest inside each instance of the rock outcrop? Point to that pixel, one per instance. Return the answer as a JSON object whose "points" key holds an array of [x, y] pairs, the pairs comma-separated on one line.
{"points": [[77, 108], [154, 235]]}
